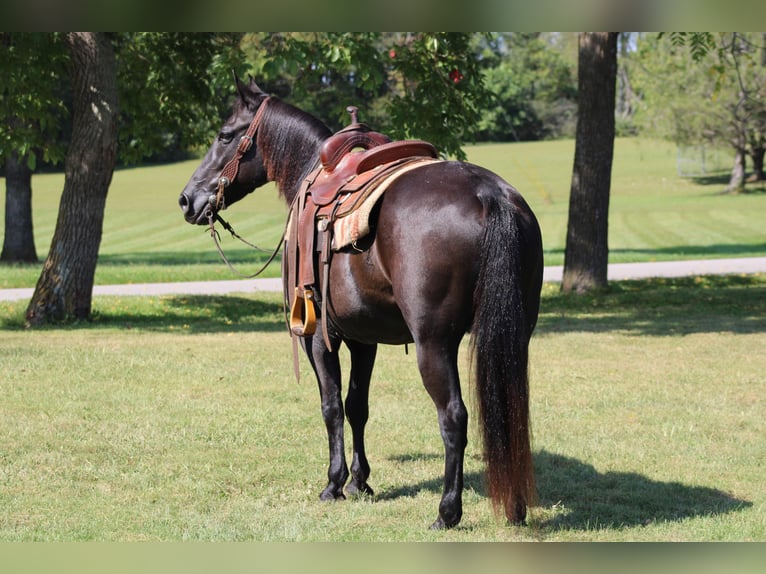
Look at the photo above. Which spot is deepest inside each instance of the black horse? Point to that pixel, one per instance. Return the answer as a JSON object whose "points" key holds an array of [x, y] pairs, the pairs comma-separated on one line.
{"points": [[455, 249]]}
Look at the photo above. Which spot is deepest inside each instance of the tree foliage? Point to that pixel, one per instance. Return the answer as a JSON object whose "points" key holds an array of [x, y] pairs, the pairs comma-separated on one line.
{"points": [[33, 112], [718, 101], [409, 85], [533, 89], [448, 88], [700, 43], [172, 89]]}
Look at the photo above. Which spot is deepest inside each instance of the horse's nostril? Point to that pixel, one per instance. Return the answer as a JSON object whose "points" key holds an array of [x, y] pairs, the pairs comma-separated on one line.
{"points": [[183, 201]]}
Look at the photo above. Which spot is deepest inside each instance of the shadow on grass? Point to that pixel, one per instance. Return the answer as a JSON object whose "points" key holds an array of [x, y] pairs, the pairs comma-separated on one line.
{"points": [[717, 179], [585, 499], [593, 500], [262, 312], [723, 179], [656, 307], [203, 314], [661, 306]]}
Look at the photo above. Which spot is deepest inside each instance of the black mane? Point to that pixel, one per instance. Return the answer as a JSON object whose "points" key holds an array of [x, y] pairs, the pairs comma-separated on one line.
{"points": [[289, 140]]}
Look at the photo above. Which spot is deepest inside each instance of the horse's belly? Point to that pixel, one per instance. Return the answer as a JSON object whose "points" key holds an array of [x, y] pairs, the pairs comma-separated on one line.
{"points": [[361, 304]]}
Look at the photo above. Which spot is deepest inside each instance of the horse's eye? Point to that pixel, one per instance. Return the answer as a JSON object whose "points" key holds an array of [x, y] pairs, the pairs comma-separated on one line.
{"points": [[225, 137]]}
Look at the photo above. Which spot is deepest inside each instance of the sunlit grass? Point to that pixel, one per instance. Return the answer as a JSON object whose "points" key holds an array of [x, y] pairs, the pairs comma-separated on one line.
{"points": [[179, 418], [654, 215]]}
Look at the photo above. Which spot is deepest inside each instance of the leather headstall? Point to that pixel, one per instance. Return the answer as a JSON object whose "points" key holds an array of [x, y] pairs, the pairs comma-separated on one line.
{"points": [[231, 169]]}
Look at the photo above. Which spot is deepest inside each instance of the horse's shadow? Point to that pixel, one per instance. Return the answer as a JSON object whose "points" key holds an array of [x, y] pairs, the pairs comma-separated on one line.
{"points": [[582, 498]]}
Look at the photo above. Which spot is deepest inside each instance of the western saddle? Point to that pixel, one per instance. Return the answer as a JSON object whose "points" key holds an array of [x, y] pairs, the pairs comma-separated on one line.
{"points": [[356, 166]]}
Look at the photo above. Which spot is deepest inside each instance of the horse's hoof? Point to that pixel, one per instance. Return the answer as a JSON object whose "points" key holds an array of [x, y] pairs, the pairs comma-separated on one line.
{"points": [[354, 490], [519, 516], [440, 524], [331, 495]]}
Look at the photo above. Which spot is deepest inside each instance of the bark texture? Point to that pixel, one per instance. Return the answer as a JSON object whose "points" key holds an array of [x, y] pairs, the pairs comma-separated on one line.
{"points": [[587, 249], [18, 240], [65, 287]]}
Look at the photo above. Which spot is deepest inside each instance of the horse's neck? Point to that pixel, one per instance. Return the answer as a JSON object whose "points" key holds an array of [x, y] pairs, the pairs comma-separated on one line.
{"points": [[291, 142]]}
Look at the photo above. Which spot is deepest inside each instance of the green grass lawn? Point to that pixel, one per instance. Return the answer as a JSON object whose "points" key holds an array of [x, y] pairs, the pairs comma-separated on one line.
{"points": [[654, 215], [178, 418]]}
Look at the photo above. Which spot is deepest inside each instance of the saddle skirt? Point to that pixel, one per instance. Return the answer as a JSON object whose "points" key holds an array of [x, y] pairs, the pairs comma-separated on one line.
{"points": [[352, 218]]}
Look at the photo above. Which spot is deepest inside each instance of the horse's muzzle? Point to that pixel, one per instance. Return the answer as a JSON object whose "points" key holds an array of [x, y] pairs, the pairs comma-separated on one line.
{"points": [[197, 209]]}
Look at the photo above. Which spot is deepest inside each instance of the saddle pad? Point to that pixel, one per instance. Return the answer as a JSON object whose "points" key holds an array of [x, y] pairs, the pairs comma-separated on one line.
{"points": [[351, 226]]}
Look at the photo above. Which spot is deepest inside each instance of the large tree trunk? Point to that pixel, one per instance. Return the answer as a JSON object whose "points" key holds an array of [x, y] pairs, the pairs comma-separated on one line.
{"points": [[587, 249], [19, 240], [65, 287], [737, 177], [757, 151]]}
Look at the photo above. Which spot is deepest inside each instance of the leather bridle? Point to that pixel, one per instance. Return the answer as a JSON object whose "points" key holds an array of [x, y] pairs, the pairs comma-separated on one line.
{"points": [[231, 169], [228, 175]]}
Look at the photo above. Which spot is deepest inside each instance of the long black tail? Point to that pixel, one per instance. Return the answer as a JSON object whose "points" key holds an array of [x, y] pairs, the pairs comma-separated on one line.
{"points": [[500, 341]]}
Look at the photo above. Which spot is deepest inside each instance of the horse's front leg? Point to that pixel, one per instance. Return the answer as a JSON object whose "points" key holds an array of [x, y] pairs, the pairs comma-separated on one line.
{"points": [[326, 366], [357, 412]]}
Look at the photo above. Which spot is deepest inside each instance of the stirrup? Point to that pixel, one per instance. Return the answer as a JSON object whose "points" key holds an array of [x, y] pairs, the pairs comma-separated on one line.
{"points": [[303, 319]]}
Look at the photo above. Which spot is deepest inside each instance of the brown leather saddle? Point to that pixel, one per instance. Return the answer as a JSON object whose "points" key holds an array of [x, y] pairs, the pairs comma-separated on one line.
{"points": [[353, 161]]}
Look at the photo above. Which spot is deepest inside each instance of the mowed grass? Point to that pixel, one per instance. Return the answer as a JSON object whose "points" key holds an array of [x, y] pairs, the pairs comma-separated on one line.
{"points": [[178, 418], [654, 215], [145, 237]]}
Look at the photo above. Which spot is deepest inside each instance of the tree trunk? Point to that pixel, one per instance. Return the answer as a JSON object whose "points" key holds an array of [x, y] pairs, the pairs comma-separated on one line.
{"points": [[737, 179], [587, 250], [19, 240], [756, 155], [65, 287]]}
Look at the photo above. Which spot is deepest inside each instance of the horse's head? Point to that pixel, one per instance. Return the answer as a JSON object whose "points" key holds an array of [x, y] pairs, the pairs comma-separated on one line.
{"points": [[233, 166]]}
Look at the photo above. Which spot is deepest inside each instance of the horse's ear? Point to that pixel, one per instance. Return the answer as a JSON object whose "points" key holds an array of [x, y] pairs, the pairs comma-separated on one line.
{"points": [[249, 93], [254, 88], [242, 88]]}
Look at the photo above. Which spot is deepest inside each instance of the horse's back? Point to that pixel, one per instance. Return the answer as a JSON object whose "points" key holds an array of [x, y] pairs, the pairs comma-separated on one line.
{"points": [[418, 274]]}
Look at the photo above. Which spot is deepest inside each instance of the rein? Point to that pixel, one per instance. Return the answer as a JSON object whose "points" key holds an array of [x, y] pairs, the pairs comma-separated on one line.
{"points": [[212, 218]]}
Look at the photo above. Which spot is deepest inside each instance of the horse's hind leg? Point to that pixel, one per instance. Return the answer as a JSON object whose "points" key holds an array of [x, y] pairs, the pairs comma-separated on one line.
{"points": [[437, 361], [327, 368], [357, 410]]}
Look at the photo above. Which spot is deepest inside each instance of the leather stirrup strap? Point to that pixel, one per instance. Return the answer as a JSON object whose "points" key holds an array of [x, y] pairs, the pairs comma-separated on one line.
{"points": [[326, 254]]}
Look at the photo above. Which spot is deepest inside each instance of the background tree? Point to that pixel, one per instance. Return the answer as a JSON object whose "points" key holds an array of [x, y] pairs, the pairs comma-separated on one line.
{"points": [[66, 283], [408, 85], [533, 86], [717, 101], [165, 108], [31, 118], [587, 250], [169, 86]]}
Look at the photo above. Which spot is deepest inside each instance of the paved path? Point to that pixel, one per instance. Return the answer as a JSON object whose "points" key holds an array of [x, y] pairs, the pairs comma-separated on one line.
{"points": [[616, 272], [619, 271]]}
